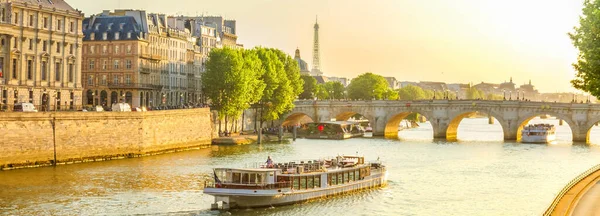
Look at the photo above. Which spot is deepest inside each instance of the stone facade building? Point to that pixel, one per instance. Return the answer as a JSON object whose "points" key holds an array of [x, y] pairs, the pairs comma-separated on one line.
{"points": [[40, 54], [138, 58]]}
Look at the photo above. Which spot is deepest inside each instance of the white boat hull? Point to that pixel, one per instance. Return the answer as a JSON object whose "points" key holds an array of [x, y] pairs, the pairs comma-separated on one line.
{"points": [[537, 138], [368, 134], [266, 198]]}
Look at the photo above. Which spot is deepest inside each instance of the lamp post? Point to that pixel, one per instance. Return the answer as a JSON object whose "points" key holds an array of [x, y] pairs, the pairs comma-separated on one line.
{"points": [[509, 95], [456, 94], [517, 94], [332, 95], [94, 99], [434, 92], [345, 94], [374, 94]]}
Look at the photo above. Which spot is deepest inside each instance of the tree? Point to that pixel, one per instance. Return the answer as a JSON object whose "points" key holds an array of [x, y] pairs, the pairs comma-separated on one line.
{"points": [[474, 93], [586, 39], [390, 94], [412, 92], [309, 87], [494, 97], [321, 92], [231, 81], [335, 89], [367, 86]]}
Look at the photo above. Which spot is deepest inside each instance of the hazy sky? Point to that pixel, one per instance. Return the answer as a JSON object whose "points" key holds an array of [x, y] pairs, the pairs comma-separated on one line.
{"points": [[429, 40]]}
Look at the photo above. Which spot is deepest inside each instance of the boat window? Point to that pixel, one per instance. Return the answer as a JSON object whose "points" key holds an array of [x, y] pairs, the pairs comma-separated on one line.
{"points": [[368, 171], [253, 179], [318, 181], [297, 183], [303, 183], [340, 179], [309, 182], [346, 177], [357, 174], [236, 178], [260, 178], [351, 176], [333, 180], [245, 178]]}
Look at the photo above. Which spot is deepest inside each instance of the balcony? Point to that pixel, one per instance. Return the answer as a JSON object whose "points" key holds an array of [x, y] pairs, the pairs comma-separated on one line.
{"points": [[145, 70], [134, 86]]}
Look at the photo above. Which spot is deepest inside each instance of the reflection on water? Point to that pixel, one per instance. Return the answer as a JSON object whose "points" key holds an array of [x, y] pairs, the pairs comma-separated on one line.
{"points": [[478, 175]]}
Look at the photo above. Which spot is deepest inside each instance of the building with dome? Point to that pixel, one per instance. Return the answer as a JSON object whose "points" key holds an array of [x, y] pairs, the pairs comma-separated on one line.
{"points": [[301, 64]]}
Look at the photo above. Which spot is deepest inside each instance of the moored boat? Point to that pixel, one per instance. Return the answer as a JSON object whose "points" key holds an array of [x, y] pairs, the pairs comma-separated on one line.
{"points": [[538, 133], [292, 182], [368, 132], [334, 130]]}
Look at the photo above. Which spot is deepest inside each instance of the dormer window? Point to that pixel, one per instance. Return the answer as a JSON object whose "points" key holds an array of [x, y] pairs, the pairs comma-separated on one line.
{"points": [[110, 26], [104, 36], [97, 27], [92, 36], [116, 35], [128, 35], [121, 26]]}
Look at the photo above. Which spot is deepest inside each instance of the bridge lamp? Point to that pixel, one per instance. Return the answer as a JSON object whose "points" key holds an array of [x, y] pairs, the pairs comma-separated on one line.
{"points": [[517, 94], [510, 95]]}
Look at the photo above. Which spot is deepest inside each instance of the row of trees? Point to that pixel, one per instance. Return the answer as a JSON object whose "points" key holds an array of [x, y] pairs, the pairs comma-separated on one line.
{"points": [[268, 79]]}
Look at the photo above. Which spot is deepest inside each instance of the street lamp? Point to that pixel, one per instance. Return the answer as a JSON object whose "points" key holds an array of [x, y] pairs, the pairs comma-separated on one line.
{"points": [[456, 94], [374, 94], [434, 92], [94, 99], [332, 95], [509, 95], [504, 94], [517, 94]]}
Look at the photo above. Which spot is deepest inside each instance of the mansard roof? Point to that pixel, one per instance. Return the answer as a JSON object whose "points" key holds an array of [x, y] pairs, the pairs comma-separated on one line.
{"points": [[58, 4], [111, 24]]}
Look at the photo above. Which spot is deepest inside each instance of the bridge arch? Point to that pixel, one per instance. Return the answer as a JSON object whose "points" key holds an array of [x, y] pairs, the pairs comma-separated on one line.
{"points": [[297, 118], [452, 130], [525, 120], [391, 127]]}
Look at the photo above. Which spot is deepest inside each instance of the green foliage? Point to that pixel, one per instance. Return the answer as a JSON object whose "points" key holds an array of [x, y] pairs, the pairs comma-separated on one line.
{"points": [[335, 90], [230, 81], [474, 94], [321, 92], [367, 86], [390, 94], [494, 97], [412, 92], [309, 87], [586, 38]]}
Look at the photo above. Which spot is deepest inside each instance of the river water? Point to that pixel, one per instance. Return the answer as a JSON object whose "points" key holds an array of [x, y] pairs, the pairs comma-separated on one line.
{"points": [[478, 175]]}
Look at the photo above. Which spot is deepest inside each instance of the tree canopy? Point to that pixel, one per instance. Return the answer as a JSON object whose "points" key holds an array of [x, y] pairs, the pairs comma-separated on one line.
{"points": [[367, 86], [309, 87], [586, 38], [335, 90], [412, 92]]}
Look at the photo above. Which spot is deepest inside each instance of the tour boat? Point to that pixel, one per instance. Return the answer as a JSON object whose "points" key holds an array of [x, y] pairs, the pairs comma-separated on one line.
{"points": [[334, 130], [538, 133], [293, 182]]}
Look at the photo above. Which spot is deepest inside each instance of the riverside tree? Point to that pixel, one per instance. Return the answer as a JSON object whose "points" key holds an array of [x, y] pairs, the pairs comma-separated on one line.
{"points": [[585, 38], [367, 86], [309, 87], [335, 89], [231, 81], [411, 92]]}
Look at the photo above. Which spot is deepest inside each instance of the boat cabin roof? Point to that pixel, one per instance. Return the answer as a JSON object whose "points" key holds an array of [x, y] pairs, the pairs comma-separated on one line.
{"points": [[261, 170]]}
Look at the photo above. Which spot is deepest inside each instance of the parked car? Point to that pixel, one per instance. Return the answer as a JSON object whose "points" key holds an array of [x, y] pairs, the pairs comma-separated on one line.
{"points": [[121, 107], [24, 107]]}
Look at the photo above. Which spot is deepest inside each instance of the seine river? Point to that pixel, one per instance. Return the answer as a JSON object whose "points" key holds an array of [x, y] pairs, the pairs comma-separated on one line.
{"points": [[478, 175]]}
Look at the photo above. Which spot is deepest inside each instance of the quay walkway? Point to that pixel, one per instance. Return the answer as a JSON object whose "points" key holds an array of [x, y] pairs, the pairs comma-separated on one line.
{"points": [[581, 196]]}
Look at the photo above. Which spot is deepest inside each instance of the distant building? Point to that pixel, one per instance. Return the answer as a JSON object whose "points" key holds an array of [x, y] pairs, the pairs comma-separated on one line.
{"points": [[507, 86], [392, 82], [528, 91], [321, 79], [434, 86], [342, 80], [407, 83], [301, 64], [316, 70]]}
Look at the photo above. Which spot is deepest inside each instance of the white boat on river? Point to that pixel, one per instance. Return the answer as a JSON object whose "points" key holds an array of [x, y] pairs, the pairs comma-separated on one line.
{"points": [[293, 182], [538, 133]]}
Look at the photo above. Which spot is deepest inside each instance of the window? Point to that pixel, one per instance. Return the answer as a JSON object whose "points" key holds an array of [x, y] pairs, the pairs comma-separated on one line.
{"points": [[44, 43], [30, 20], [57, 71], [117, 49], [128, 64], [128, 35], [333, 180], [128, 78], [92, 64], [104, 36], [128, 49], [58, 47], [116, 65], [92, 49], [318, 181], [71, 49], [104, 49], [116, 35], [104, 64], [91, 80], [58, 25], [45, 22], [15, 42], [92, 36], [71, 27], [44, 70], [351, 176], [29, 69], [346, 180], [3, 15], [340, 178], [71, 74], [1, 67], [103, 80], [296, 183], [30, 44], [303, 182], [14, 68], [16, 18], [115, 79]]}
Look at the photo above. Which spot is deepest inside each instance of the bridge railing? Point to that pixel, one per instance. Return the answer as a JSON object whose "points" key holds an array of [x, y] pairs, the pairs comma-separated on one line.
{"points": [[568, 187], [529, 104]]}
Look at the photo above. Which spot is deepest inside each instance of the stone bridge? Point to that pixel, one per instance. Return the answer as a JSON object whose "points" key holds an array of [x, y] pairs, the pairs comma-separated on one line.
{"points": [[446, 115]]}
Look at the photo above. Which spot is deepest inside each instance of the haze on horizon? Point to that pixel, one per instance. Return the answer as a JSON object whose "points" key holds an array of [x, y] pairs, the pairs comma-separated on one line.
{"points": [[454, 41]]}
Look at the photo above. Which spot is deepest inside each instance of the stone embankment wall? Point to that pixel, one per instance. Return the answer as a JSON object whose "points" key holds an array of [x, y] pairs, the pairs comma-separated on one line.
{"points": [[30, 139]]}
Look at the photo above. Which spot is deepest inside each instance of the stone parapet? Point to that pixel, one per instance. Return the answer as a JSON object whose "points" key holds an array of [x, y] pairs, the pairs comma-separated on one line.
{"points": [[31, 139]]}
